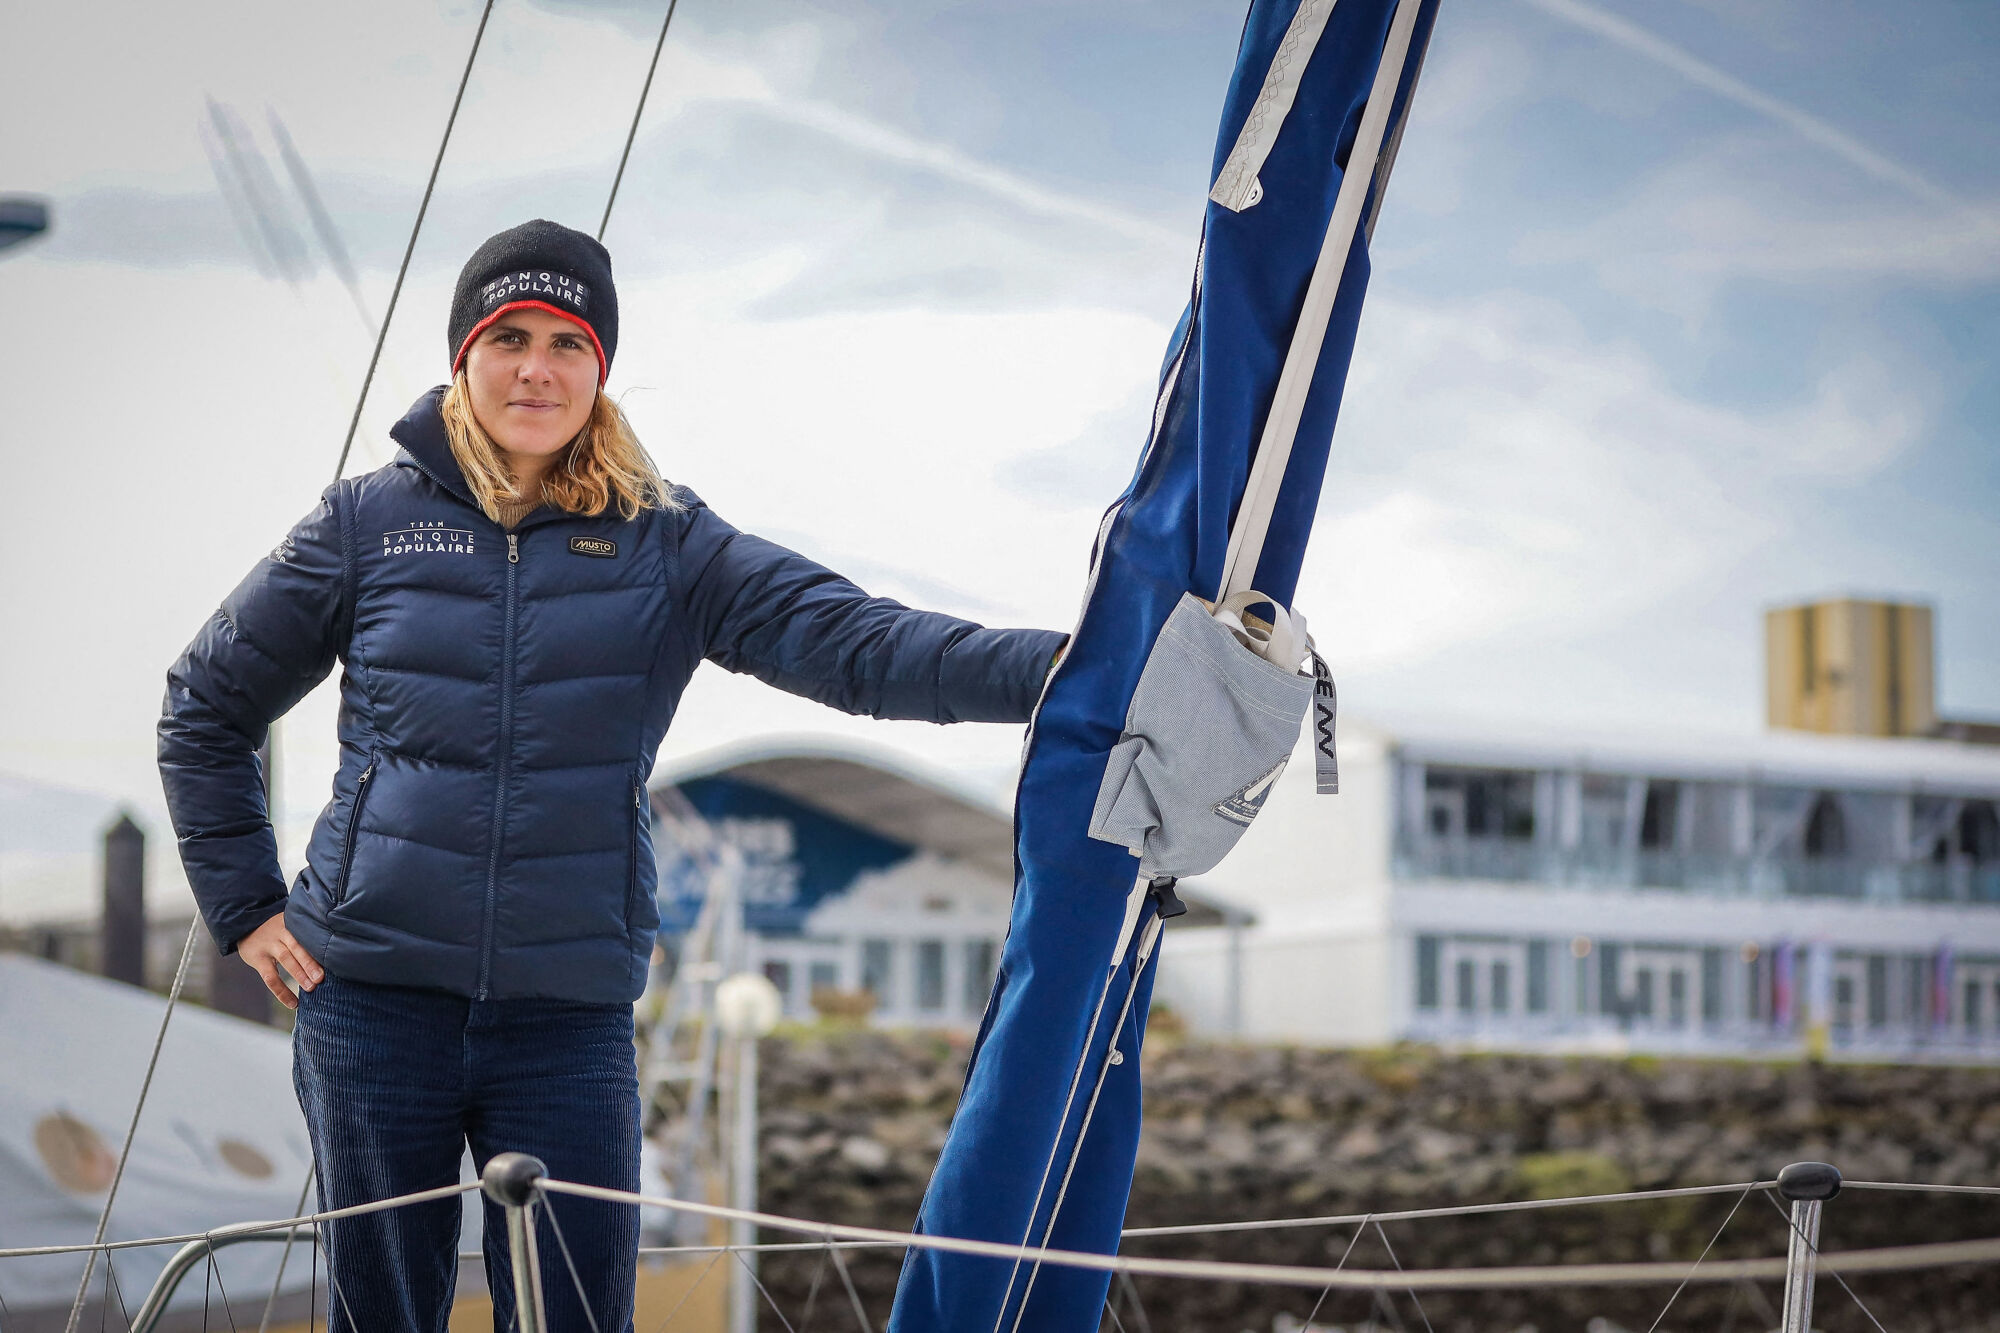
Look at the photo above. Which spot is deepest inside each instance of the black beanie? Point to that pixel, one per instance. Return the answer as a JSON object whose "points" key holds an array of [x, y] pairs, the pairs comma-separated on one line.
{"points": [[541, 264]]}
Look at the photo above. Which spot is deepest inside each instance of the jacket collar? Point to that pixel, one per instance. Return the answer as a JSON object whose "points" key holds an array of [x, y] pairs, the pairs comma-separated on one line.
{"points": [[426, 448]]}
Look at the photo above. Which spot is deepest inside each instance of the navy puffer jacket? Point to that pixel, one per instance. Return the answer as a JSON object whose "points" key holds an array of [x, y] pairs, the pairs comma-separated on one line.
{"points": [[502, 699]]}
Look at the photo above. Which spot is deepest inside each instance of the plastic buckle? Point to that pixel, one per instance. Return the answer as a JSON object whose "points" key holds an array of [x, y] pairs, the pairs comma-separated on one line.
{"points": [[1166, 902]]}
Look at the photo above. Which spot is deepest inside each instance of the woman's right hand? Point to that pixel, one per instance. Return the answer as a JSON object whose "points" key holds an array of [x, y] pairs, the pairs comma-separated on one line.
{"points": [[270, 947]]}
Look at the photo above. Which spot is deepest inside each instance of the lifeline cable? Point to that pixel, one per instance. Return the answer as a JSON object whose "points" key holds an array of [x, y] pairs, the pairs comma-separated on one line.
{"points": [[637, 112], [395, 294]]}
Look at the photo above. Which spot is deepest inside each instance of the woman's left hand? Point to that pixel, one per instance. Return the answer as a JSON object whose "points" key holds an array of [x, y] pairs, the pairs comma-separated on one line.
{"points": [[270, 947]]}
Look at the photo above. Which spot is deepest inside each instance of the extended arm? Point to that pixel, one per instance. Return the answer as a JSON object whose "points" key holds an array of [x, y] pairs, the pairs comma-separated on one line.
{"points": [[273, 639], [776, 615]]}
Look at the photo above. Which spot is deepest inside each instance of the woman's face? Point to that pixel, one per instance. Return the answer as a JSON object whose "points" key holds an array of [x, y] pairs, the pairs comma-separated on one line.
{"points": [[532, 377]]}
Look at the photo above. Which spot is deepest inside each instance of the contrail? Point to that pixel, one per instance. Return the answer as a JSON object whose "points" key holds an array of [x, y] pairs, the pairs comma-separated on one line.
{"points": [[890, 144], [1698, 71]]}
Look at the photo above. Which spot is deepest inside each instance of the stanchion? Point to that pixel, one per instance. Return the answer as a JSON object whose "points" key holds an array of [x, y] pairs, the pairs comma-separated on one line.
{"points": [[513, 1180], [1808, 1185]]}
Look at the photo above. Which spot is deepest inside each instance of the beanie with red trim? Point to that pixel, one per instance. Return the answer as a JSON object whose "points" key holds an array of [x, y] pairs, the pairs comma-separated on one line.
{"points": [[543, 265]]}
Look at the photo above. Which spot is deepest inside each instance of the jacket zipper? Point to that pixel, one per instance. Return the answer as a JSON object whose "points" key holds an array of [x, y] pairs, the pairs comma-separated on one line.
{"points": [[632, 856], [500, 767], [353, 827]]}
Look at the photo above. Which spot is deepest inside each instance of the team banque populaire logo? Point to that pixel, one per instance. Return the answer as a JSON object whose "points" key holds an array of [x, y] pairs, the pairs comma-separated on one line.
{"points": [[427, 537]]}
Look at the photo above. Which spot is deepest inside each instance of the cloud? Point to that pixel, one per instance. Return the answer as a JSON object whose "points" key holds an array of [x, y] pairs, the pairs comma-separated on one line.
{"points": [[1497, 468], [1727, 210], [1813, 128]]}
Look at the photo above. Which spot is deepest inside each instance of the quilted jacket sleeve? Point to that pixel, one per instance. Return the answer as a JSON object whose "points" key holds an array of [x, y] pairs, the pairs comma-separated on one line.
{"points": [[776, 615], [273, 639]]}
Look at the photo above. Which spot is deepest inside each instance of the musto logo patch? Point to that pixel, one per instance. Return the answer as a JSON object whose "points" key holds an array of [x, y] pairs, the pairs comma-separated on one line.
{"points": [[427, 538]]}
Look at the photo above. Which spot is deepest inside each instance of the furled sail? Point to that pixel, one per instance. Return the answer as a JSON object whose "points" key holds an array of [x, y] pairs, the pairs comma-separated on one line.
{"points": [[1183, 688]]}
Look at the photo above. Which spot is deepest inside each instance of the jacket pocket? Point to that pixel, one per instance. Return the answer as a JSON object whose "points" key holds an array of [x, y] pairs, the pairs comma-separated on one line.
{"points": [[353, 828], [1212, 724]]}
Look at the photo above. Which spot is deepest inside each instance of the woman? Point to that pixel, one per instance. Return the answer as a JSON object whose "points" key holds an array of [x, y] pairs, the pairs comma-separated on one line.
{"points": [[517, 603]]}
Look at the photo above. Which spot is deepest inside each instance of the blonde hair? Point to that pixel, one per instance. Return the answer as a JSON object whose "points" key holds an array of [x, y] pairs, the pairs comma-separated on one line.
{"points": [[604, 465]]}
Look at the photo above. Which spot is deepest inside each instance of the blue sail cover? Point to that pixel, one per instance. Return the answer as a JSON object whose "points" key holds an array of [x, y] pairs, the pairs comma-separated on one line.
{"points": [[1020, 1164]]}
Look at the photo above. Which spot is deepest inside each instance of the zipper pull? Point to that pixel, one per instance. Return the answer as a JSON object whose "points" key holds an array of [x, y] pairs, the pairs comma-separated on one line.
{"points": [[513, 548]]}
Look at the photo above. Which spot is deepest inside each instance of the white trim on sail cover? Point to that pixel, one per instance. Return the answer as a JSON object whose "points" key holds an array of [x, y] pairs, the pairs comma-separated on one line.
{"points": [[1281, 427], [1237, 186]]}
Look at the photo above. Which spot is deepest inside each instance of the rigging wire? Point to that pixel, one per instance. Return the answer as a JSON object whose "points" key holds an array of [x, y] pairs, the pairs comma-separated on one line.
{"points": [[812, 1292], [576, 1279], [765, 1292], [395, 293], [264, 1326], [853, 1296], [125, 1153], [688, 1295], [1325, 1292], [1399, 1268], [637, 112], [1793, 1227], [1651, 1328]]}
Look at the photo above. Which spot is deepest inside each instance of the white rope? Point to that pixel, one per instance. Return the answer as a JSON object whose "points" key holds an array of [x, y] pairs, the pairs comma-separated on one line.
{"points": [[124, 1153], [1895, 1259], [832, 1235], [1456, 1210]]}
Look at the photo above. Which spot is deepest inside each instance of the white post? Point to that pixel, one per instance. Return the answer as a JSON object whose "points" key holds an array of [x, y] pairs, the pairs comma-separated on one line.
{"points": [[747, 1006], [743, 1187], [1233, 1019]]}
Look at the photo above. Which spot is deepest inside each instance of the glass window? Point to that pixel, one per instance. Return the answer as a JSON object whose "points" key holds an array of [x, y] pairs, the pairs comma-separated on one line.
{"points": [[1917, 991], [1502, 987], [1711, 985], [930, 975], [1538, 976], [1677, 997], [1468, 998], [980, 956], [825, 975], [1974, 992], [779, 972], [1878, 990], [1427, 971], [1642, 992], [878, 971], [1601, 812], [1659, 822], [1491, 802]]}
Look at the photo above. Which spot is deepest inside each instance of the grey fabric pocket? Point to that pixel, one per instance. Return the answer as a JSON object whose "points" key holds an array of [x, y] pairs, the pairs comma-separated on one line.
{"points": [[1210, 728]]}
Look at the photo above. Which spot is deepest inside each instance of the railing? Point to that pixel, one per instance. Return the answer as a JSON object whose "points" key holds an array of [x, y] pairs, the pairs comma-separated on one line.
{"points": [[520, 1185], [1525, 861]]}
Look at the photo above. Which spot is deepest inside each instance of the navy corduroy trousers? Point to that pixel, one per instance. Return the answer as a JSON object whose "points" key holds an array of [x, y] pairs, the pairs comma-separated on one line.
{"points": [[395, 1082]]}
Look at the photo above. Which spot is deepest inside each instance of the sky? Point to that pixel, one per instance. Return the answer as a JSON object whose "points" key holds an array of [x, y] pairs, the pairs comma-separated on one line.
{"points": [[1679, 310]]}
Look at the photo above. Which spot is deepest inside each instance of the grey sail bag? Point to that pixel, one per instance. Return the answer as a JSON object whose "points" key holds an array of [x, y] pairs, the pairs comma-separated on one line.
{"points": [[1211, 726]]}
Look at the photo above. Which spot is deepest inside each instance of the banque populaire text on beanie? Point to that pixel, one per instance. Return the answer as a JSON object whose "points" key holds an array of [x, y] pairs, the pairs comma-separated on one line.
{"points": [[544, 265]]}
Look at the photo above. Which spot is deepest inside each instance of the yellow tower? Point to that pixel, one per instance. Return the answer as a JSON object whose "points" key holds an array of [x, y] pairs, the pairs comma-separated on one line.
{"points": [[1850, 666]]}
